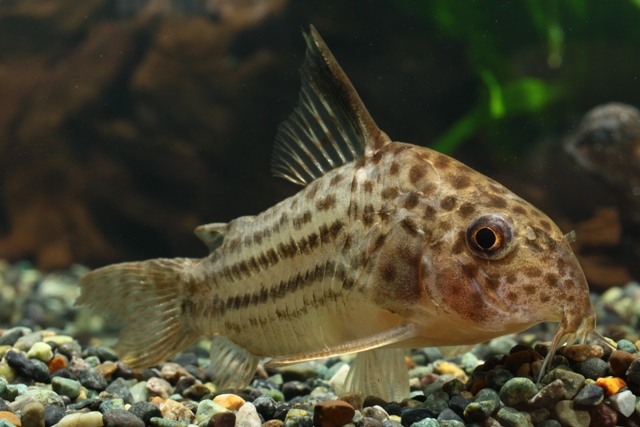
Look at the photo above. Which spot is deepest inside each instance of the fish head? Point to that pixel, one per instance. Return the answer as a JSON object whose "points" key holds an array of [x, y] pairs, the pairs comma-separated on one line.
{"points": [[496, 263]]}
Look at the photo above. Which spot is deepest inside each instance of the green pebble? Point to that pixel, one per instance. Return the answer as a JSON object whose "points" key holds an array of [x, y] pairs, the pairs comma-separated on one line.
{"points": [[509, 417], [25, 342], [139, 392], [435, 404], [296, 413], [321, 371], [32, 415], [110, 404], [479, 411], [451, 423], [627, 346], [305, 421], [5, 423], [419, 371], [162, 422], [207, 408], [275, 395], [502, 345], [469, 362], [276, 379], [487, 394], [40, 351], [517, 390], [572, 382], [539, 415], [334, 369], [66, 387], [46, 397], [92, 361], [7, 372], [12, 391], [427, 422]]}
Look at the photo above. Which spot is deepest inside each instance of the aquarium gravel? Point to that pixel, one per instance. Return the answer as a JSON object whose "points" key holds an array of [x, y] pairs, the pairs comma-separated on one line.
{"points": [[58, 367]]}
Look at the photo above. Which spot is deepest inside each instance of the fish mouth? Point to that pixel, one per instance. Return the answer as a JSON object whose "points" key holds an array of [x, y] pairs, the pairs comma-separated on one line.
{"points": [[571, 330]]}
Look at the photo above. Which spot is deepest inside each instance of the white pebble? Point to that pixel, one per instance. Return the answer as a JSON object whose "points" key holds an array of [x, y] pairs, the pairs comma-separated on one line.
{"points": [[338, 379], [624, 402], [87, 419], [247, 416], [40, 351]]}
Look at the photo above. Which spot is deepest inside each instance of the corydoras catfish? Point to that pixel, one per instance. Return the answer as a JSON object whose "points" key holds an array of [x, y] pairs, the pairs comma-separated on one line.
{"points": [[388, 246]]}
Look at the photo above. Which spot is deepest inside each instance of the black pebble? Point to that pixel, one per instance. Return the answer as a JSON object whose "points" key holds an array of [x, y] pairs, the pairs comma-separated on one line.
{"points": [[64, 373], [148, 373], [222, 419], [260, 383], [40, 371], [265, 406], [90, 378], [91, 403], [101, 352], [393, 408], [373, 401], [497, 378], [183, 384], [454, 387], [70, 349], [413, 415], [633, 376], [293, 389], [119, 386], [590, 395], [121, 418], [10, 337], [20, 363], [184, 359], [4, 406], [123, 371], [458, 404], [145, 411], [196, 372], [449, 414], [281, 412], [369, 422], [593, 368], [53, 414]]}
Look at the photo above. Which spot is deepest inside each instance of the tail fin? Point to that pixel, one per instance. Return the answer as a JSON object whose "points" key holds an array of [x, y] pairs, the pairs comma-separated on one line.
{"points": [[147, 297]]}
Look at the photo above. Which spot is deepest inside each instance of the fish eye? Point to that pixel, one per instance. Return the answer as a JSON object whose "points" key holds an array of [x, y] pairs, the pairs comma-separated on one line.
{"points": [[489, 236]]}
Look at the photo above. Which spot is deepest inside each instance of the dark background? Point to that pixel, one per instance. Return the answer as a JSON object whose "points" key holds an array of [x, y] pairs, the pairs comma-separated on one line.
{"points": [[125, 124]]}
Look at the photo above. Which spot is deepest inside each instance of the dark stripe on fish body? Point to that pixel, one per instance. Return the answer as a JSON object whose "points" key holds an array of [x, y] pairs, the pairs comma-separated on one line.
{"points": [[299, 282]]}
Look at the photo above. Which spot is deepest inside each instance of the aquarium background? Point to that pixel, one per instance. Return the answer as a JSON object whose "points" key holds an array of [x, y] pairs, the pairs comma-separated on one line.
{"points": [[124, 124]]}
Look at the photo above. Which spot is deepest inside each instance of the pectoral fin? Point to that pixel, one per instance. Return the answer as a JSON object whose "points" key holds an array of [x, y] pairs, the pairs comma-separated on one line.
{"points": [[381, 372], [400, 333], [455, 350], [232, 366]]}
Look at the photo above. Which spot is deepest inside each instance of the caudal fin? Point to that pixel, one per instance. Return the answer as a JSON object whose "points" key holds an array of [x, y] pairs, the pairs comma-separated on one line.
{"points": [[146, 296]]}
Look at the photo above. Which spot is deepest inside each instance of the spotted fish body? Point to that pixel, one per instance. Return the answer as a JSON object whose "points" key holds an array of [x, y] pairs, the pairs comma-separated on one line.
{"points": [[388, 246]]}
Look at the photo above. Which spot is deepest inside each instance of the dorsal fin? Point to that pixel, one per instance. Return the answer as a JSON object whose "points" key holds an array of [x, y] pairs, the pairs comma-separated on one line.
{"points": [[330, 126], [211, 234]]}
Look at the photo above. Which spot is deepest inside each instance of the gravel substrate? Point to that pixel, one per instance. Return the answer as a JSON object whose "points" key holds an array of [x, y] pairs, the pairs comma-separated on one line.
{"points": [[58, 367]]}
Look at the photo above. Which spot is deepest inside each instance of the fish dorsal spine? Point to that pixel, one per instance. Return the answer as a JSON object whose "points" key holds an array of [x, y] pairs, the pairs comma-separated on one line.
{"points": [[330, 126]]}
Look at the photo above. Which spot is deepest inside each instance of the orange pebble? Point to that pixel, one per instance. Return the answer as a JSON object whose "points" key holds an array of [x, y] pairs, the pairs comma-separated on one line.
{"points": [[477, 386], [611, 385], [11, 417], [56, 363]]}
